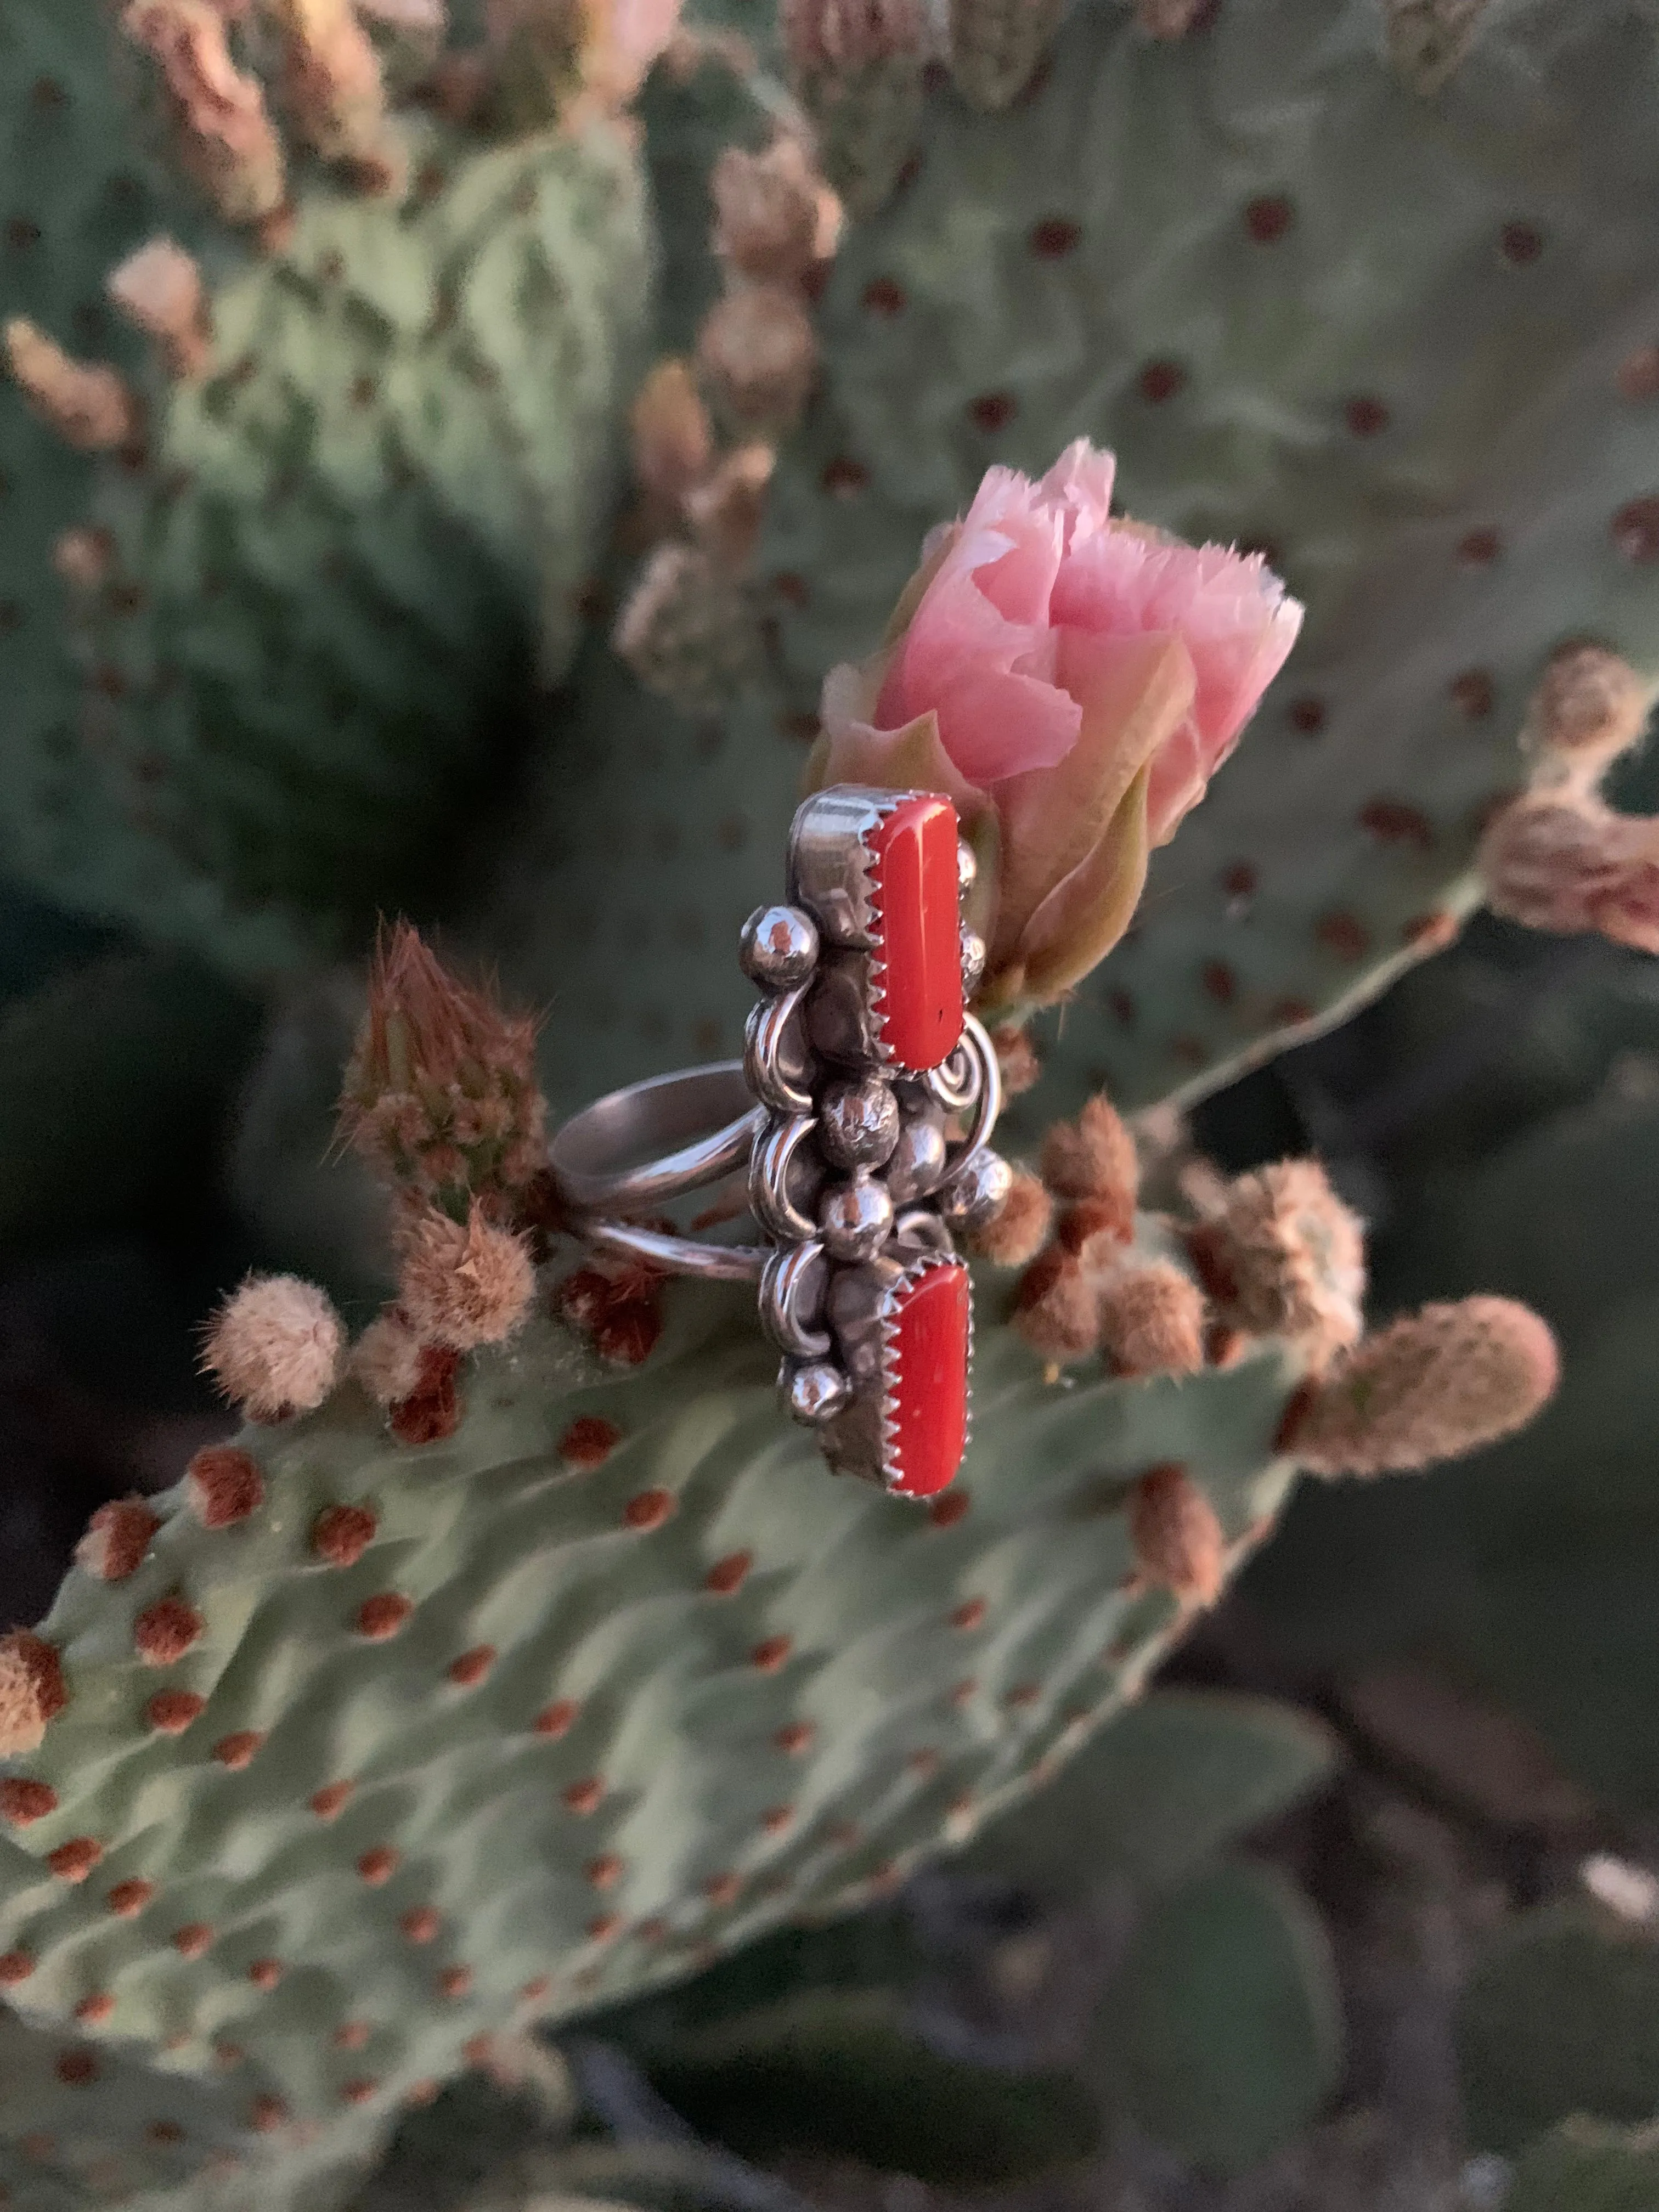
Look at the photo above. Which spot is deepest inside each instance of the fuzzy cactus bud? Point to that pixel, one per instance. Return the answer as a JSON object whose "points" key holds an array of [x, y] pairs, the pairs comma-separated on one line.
{"points": [[332, 88], [758, 355], [1057, 1307], [159, 288], [673, 440], [1178, 1542], [1436, 1383], [1016, 1058], [441, 1093], [31, 1691], [274, 1347], [1569, 864], [85, 401], [1151, 1321], [725, 511], [856, 67], [1589, 707], [1284, 1257], [387, 1359], [1094, 1159], [774, 215], [997, 46], [227, 139], [464, 1286], [690, 629], [1019, 1229], [1427, 39]]}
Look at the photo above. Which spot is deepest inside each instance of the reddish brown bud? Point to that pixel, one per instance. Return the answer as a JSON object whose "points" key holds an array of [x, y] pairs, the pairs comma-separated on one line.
{"points": [[164, 1632], [224, 1486], [1021, 1227], [117, 1536], [32, 1691], [381, 1617], [1022, 1071], [1057, 1310], [170, 1712], [128, 1899], [1178, 1541], [75, 1860], [1093, 1156], [341, 1533], [1151, 1321], [24, 1801]]}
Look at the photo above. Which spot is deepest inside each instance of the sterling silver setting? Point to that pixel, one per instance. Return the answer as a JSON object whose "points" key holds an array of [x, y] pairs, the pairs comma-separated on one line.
{"points": [[861, 1165]]}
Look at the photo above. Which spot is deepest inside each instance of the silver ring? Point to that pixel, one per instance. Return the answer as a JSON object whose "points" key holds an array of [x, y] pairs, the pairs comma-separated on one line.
{"points": [[862, 1112]]}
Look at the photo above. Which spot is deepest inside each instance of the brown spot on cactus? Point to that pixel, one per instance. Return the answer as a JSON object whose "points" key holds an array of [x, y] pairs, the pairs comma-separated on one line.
{"points": [[455, 1983], [1473, 693], [1160, 380], [95, 2008], [557, 1719], [1021, 1225], [589, 1441], [969, 1614], [1267, 217], [194, 1940], [843, 478], [777, 1819], [75, 1860], [1218, 982], [77, 2069], [266, 1973], [1433, 1385], [471, 1667], [944, 1512], [464, 1286], [117, 1537], [158, 290], [1429, 932], [1395, 822], [649, 1509], [605, 1927], [378, 1866], [341, 1533], [1344, 935], [1366, 415], [31, 1692], [1054, 237], [1177, 1539], [165, 2132], [1022, 1695], [770, 1654], [585, 1796], [267, 2114], [1056, 1310], [1479, 549], [794, 1738], [128, 1899], [1520, 243], [1637, 374], [352, 2034], [1571, 864], [329, 1802], [274, 1347], [1306, 716], [728, 1576], [882, 296], [224, 1486], [164, 1632], [228, 2054], [24, 1801], [923, 1763], [1285, 1256], [1635, 530], [1151, 1321], [15, 1966], [381, 1617], [86, 404], [533, 1991], [992, 411], [1589, 707], [170, 1712], [605, 1871], [619, 1311], [421, 1924]]}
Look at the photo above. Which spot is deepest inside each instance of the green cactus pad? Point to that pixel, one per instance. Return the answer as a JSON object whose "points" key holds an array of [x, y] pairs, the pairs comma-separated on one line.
{"points": [[648, 1679]]}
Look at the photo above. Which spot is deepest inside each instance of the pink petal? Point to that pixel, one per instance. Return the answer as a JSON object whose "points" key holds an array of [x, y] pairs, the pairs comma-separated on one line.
{"points": [[1079, 485], [994, 725]]}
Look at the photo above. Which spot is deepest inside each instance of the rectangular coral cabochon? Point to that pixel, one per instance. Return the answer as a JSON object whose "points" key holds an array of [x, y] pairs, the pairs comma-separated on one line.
{"points": [[926, 1380], [914, 852]]}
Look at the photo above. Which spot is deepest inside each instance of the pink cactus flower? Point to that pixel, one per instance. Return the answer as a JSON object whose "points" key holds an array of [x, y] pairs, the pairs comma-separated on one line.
{"points": [[1072, 681]]}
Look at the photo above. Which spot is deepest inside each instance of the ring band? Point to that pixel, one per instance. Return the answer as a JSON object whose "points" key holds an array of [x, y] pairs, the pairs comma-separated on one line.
{"points": [[862, 1111]]}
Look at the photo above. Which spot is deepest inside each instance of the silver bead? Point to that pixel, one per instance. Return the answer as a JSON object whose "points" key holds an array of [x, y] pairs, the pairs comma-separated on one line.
{"points": [[974, 957], [967, 868], [855, 1219], [858, 1123], [918, 1159], [976, 1195], [816, 1391], [778, 946]]}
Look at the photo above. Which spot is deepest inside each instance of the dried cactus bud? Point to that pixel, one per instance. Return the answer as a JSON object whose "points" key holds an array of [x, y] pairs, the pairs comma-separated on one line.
{"points": [[1570, 864], [1436, 1384], [690, 630], [85, 401], [466, 1285], [770, 213], [387, 1358], [1094, 1157], [758, 355], [726, 511], [856, 67], [1020, 1227], [273, 1347], [1022, 1071], [227, 138], [1589, 707], [31, 1691], [441, 1093], [1151, 1321], [1167, 19], [1427, 39], [332, 88], [1057, 1309], [673, 440], [997, 47], [159, 288], [1178, 1541], [1285, 1257]]}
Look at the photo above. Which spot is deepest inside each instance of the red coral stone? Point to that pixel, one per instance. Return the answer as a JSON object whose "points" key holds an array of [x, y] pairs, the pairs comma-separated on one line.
{"points": [[925, 1380], [913, 851]]}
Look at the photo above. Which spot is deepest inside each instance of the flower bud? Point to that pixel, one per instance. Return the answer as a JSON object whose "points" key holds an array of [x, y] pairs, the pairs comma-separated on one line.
{"points": [[226, 137], [159, 289], [758, 353], [1567, 864], [85, 403]]}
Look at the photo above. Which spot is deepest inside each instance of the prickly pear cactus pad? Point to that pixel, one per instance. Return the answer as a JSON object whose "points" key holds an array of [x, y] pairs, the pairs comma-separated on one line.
{"points": [[372, 1750], [1406, 343], [260, 651]]}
